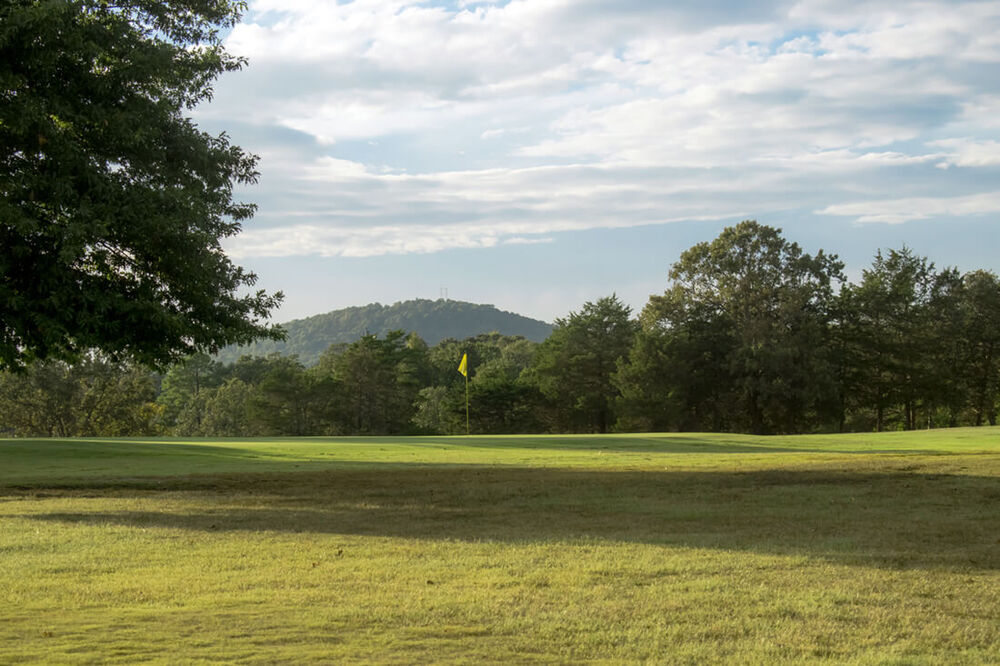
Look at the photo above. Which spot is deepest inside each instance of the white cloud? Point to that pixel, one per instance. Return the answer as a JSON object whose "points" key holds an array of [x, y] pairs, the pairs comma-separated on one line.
{"points": [[503, 123], [520, 240], [420, 213], [969, 153], [897, 211], [982, 111], [358, 241]]}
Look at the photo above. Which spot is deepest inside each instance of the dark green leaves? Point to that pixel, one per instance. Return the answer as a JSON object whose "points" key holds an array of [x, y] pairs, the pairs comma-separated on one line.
{"points": [[113, 205], [741, 339]]}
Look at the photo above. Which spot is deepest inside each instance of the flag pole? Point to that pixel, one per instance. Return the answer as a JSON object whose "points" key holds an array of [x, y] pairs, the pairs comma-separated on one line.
{"points": [[463, 367]]}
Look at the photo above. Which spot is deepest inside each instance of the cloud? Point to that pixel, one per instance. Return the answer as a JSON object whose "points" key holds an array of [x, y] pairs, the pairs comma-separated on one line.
{"points": [[433, 126], [983, 111], [519, 240], [358, 241], [897, 211], [969, 153]]}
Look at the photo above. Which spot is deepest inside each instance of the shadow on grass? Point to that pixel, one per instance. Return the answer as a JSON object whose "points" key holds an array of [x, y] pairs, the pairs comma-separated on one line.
{"points": [[890, 517]]}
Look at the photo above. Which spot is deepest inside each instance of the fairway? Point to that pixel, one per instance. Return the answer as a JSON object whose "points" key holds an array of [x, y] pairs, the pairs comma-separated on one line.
{"points": [[686, 548]]}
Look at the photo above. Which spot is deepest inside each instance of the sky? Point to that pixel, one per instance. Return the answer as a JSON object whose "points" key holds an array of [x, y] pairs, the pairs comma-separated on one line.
{"points": [[539, 154]]}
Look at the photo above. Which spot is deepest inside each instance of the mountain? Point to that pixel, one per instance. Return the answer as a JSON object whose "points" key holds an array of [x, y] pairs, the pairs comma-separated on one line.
{"points": [[431, 320]]}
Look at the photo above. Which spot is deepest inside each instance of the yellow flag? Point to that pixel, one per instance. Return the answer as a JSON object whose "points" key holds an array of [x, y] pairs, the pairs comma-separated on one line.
{"points": [[463, 367]]}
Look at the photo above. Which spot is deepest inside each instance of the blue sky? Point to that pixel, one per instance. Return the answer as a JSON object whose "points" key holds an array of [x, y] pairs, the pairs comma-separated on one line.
{"points": [[537, 154]]}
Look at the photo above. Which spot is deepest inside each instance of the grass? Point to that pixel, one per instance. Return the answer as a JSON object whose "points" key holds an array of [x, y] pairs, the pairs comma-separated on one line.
{"points": [[865, 549]]}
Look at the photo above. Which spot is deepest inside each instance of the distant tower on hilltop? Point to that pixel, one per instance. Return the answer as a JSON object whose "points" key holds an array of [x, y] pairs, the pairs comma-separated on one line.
{"points": [[444, 293]]}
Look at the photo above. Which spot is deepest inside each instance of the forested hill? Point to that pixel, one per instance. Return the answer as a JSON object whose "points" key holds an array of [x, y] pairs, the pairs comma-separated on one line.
{"points": [[431, 320]]}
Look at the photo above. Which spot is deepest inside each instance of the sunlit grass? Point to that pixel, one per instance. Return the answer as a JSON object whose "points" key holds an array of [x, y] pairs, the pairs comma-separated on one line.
{"points": [[52, 459], [676, 548]]}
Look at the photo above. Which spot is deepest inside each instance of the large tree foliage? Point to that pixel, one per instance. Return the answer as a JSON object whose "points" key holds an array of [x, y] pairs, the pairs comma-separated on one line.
{"points": [[676, 375], [378, 382], [919, 344], [885, 326], [741, 335], [981, 324], [112, 202], [291, 400], [574, 367]]}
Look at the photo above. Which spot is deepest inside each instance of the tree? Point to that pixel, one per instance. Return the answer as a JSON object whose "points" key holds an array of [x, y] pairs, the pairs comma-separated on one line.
{"points": [[741, 337], [114, 398], [291, 400], [899, 324], [440, 411], [676, 375], [573, 368], [981, 323], [113, 203], [228, 411], [943, 384], [183, 384], [378, 381], [500, 400], [94, 397]]}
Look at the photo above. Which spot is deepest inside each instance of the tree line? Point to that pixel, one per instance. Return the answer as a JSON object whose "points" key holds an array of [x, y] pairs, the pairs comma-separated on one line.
{"points": [[751, 335]]}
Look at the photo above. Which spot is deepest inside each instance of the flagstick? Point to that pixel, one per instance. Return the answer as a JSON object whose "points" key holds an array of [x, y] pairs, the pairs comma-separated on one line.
{"points": [[463, 367]]}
